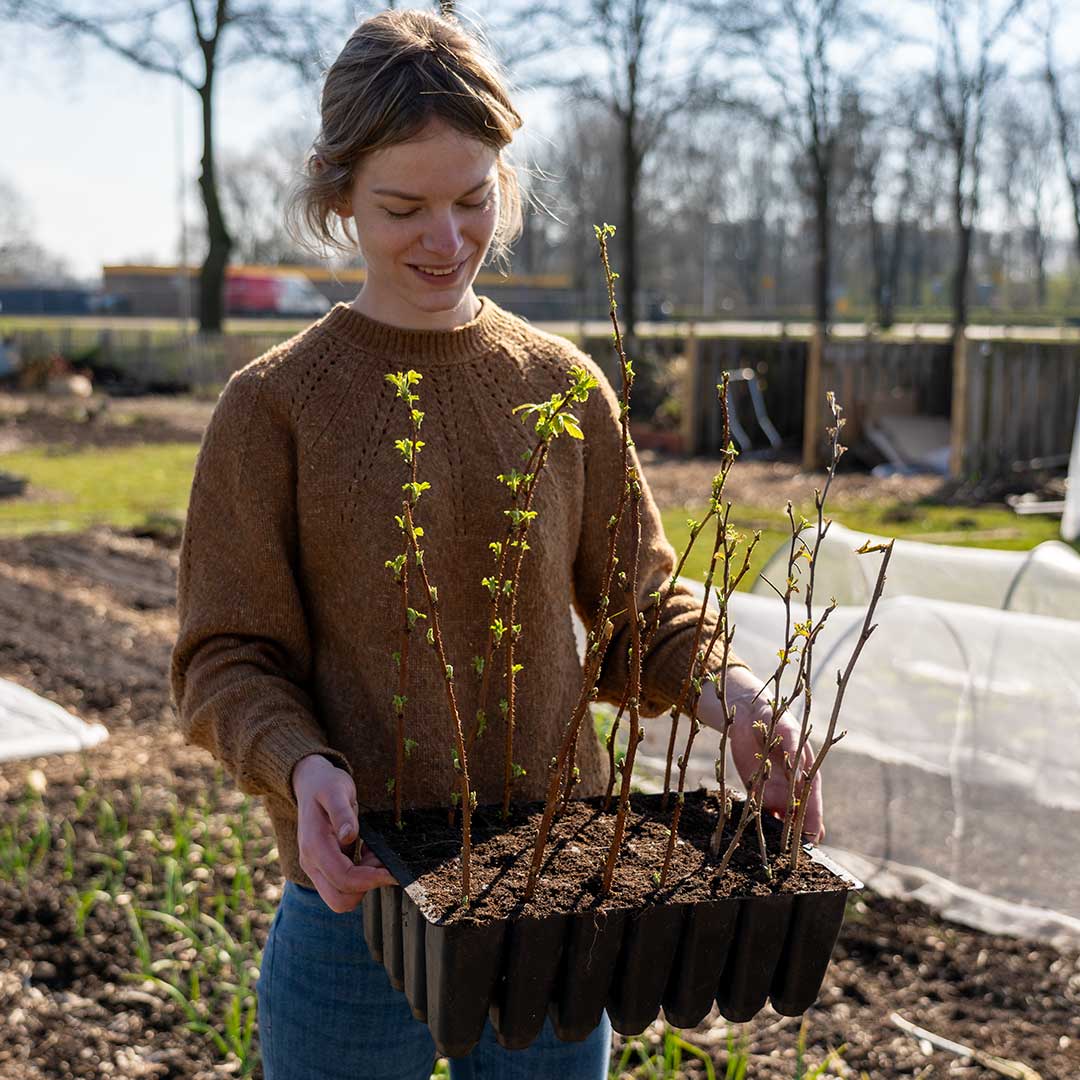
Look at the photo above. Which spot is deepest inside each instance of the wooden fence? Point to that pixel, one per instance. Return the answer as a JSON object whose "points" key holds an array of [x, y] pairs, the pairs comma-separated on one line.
{"points": [[1019, 408], [1017, 404], [139, 360]]}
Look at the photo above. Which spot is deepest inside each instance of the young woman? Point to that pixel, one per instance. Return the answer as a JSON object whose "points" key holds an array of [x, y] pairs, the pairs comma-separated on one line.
{"points": [[283, 666]]}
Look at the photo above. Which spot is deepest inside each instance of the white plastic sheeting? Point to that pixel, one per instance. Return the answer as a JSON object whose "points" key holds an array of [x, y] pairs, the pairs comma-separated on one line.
{"points": [[959, 778], [1070, 519], [1042, 581], [31, 726]]}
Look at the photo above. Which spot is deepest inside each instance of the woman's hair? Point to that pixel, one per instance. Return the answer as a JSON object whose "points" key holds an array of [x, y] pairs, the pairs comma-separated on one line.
{"points": [[397, 72]]}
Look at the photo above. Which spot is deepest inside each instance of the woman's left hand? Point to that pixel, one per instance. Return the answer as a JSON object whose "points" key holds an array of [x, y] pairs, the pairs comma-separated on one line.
{"points": [[752, 707]]}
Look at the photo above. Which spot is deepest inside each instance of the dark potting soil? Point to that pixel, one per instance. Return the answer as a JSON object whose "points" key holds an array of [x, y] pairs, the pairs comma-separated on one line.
{"points": [[428, 852]]}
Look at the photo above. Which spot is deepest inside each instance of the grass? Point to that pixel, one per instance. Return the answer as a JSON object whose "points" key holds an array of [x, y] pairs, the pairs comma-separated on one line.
{"points": [[981, 526], [72, 489]]}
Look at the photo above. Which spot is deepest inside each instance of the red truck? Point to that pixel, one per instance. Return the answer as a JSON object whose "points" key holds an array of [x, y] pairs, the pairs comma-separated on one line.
{"points": [[278, 294]]}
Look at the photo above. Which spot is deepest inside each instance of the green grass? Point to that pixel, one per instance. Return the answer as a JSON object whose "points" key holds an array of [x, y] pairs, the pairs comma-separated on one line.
{"points": [[981, 526], [74, 489]]}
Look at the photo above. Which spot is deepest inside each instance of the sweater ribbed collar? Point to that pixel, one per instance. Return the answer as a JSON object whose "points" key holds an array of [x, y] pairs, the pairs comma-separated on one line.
{"points": [[463, 343]]}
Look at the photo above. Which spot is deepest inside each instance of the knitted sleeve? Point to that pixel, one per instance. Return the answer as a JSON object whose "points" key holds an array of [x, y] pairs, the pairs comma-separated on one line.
{"points": [[667, 662], [242, 659]]}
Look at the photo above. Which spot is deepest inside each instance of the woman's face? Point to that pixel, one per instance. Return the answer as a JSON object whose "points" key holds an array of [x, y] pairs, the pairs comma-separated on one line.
{"points": [[428, 204]]}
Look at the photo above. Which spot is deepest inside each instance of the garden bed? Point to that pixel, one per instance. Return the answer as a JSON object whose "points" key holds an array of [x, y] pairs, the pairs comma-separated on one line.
{"points": [[83, 620]]}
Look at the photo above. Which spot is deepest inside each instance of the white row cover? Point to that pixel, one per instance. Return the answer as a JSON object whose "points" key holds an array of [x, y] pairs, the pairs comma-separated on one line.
{"points": [[960, 772], [32, 726], [1070, 519], [1042, 581]]}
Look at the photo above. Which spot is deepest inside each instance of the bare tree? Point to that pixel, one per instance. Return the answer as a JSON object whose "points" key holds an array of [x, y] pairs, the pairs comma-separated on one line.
{"points": [[1066, 117], [1027, 164], [577, 168], [884, 153], [639, 87], [796, 45], [962, 81], [254, 188], [193, 41]]}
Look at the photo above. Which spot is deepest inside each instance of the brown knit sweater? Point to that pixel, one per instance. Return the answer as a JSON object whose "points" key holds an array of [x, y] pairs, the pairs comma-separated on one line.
{"points": [[289, 616]]}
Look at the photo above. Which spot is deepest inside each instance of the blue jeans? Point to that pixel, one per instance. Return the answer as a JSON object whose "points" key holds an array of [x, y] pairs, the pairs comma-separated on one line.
{"points": [[327, 1011]]}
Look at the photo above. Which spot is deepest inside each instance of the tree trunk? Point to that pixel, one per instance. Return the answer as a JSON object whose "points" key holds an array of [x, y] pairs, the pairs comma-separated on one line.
{"points": [[631, 169], [891, 289], [877, 267], [779, 265], [1038, 250], [212, 279], [822, 311], [915, 269], [963, 251], [1063, 126]]}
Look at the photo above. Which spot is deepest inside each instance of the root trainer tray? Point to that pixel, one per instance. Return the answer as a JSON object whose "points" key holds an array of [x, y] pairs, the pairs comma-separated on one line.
{"points": [[568, 954]]}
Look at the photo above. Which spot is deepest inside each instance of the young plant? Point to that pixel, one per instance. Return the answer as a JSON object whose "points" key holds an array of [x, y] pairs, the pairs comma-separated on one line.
{"points": [[628, 582], [399, 567], [799, 641], [797, 789], [403, 381], [561, 770], [552, 420], [724, 546]]}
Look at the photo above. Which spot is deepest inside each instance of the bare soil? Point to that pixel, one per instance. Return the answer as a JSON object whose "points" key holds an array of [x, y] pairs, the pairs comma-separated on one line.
{"points": [[88, 620], [429, 848]]}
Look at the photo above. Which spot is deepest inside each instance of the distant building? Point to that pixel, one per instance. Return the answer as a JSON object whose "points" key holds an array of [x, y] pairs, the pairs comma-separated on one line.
{"points": [[159, 290]]}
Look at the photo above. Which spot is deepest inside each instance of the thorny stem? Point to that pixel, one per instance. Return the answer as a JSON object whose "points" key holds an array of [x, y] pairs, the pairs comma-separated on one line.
{"points": [[406, 632], [635, 685], [552, 421], [508, 763], [654, 623], [798, 791], [719, 480], [594, 657], [754, 804], [831, 738], [721, 630], [493, 642], [403, 381]]}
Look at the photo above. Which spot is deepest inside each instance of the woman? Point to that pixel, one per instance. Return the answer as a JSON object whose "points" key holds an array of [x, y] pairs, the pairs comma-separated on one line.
{"points": [[288, 616]]}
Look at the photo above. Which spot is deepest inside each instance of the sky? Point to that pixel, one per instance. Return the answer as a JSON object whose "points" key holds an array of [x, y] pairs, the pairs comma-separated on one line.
{"points": [[96, 147]]}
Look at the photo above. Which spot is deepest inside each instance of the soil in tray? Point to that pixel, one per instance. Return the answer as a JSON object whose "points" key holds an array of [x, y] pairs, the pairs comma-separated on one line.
{"points": [[428, 852]]}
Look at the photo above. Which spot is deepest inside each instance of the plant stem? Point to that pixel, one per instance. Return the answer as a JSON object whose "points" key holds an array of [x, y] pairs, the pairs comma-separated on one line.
{"points": [[635, 685], [458, 733], [831, 739], [593, 659]]}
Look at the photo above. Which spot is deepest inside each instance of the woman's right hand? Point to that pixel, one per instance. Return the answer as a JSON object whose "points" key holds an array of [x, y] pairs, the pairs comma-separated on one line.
{"points": [[327, 823]]}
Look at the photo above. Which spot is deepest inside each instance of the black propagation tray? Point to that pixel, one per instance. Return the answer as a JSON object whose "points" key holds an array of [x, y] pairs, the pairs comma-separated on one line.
{"points": [[739, 952]]}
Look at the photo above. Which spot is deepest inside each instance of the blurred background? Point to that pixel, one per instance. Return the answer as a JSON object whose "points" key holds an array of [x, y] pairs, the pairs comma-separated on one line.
{"points": [[877, 199]]}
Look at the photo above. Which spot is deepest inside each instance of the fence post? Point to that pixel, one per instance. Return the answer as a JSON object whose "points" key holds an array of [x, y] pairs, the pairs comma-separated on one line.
{"points": [[812, 400], [959, 420], [690, 397]]}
